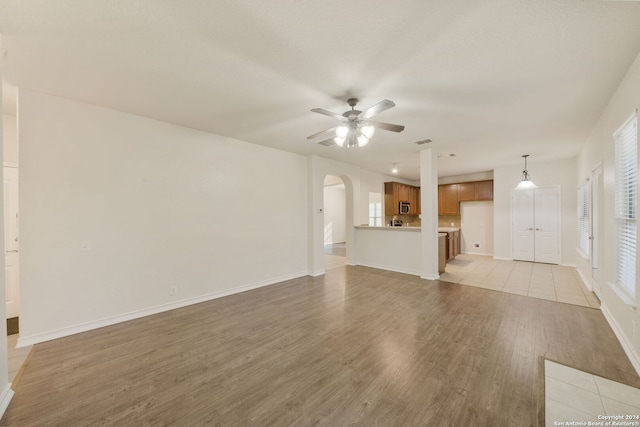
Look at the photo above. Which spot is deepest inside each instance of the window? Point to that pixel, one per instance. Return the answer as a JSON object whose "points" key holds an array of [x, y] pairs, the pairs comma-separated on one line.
{"points": [[375, 209], [626, 184], [583, 220]]}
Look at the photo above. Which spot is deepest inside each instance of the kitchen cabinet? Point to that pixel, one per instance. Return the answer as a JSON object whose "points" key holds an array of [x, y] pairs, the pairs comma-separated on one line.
{"points": [[395, 192], [448, 200], [466, 191], [484, 190], [442, 252], [450, 195], [452, 248]]}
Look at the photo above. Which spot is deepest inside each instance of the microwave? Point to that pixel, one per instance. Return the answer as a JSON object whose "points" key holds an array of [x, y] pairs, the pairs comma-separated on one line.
{"points": [[404, 208]]}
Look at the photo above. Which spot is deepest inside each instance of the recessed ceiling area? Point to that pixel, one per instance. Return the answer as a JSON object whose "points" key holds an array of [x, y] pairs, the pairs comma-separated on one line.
{"points": [[486, 80]]}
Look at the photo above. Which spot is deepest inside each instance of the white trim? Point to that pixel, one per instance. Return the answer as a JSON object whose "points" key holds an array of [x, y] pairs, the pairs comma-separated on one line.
{"points": [[24, 341], [585, 280], [634, 357], [583, 255], [10, 164], [505, 259], [476, 253], [389, 268], [5, 398], [317, 273], [431, 277]]}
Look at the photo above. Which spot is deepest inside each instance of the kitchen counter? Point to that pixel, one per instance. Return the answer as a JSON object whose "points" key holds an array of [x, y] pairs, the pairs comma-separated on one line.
{"points": [[389, 248], [388, 228], [448, 229]]}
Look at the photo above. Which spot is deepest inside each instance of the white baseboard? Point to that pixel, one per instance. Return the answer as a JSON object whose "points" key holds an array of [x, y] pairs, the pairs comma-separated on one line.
{"points": [[316, 273], [389, 268], [585, 279], [430, 277], [5, 398], [24, 341], [477, 253], [503, 259], [633, 356]]}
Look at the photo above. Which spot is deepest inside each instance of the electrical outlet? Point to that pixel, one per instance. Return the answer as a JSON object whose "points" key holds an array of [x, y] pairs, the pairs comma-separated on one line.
{"points": [[476, 245], [173, 290]]}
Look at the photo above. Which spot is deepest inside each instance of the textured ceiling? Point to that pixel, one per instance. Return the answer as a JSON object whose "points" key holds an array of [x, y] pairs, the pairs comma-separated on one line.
{"points": [[486, 80]]}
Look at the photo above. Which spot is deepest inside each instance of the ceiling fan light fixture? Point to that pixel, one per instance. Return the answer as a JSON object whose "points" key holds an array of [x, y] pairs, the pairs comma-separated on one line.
{"points": [[394, 168], [339, 141], [368, 131], [362, 140], [341, 131]]}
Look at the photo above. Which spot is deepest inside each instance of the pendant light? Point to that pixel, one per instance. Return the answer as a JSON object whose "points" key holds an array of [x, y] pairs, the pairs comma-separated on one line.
{"points": [[525, 181]]}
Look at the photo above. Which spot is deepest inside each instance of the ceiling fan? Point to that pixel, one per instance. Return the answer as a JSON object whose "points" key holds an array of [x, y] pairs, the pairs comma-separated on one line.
{"points": [[355, 129]]}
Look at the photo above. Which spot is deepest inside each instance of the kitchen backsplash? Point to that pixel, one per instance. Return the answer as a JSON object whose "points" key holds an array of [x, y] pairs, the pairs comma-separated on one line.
{"points": [[410, 220], [446, 220]]}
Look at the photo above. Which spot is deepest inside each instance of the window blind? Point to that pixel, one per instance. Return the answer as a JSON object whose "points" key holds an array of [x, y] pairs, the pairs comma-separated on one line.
{"points": [[583, 219], [626, 184]]}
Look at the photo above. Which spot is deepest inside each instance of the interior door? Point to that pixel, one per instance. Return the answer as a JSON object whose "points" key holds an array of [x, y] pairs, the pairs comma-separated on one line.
{"points": [[11, 241], [535, 217], [546, 224], [596, 196], [523, 242]]}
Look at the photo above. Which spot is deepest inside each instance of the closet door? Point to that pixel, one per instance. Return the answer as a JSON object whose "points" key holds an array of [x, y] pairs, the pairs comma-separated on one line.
{"points": [[522, 231], [547, 225], [535, 224]]}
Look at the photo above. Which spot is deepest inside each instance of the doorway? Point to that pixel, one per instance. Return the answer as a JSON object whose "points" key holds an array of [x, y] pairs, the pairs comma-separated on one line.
{"points": [[11, 247], [597, 190], [535, 222], [335, 222]]}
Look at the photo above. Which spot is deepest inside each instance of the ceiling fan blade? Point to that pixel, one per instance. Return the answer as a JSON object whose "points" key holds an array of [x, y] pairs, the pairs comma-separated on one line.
{"points": [[381, 106], [330, 114], [315, 135], [387, 126]]}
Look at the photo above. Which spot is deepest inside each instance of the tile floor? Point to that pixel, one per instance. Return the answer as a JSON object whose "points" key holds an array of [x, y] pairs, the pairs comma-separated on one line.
{"points": [[575, 396], [544, 281], [17, 356]]}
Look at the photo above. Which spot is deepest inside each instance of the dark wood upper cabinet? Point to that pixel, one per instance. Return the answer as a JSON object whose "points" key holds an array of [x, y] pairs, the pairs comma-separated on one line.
{"points": [[484, 190], [450, 195], [466, 191], [448, 203], [395, 192]]}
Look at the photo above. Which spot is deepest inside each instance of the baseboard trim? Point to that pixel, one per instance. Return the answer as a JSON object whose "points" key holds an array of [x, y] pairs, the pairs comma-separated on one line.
{"points": [[5, 398], [634, 358], [388, 268], [585, 280], [24, 341], [502, 259], [477, 253], [430, 277]]}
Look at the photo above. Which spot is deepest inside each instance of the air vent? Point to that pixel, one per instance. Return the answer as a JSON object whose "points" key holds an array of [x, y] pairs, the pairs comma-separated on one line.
{"points": [[423, 141], [327, 142]]}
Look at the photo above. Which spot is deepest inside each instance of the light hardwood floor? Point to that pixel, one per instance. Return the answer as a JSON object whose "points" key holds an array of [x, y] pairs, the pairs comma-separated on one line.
{"points": [[357, 346]]}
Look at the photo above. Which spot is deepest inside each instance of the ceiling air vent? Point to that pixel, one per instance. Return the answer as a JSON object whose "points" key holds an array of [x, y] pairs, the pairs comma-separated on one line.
{"points": [[423, 141], [327, 142]]}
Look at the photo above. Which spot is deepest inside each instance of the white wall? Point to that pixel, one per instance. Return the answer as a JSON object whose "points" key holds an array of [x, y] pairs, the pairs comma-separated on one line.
{"points": [[599, 149], [335, 214], [558, 172], [10, 139], [156, 205], [5, 388], [476, 227]]}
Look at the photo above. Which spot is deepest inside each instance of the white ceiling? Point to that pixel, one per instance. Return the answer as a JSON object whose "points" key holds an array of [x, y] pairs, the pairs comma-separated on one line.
{"points": [[488, 80]]}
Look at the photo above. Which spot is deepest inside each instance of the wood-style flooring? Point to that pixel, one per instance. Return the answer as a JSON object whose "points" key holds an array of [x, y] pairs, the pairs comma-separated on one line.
{"points": [[357, 346]]}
